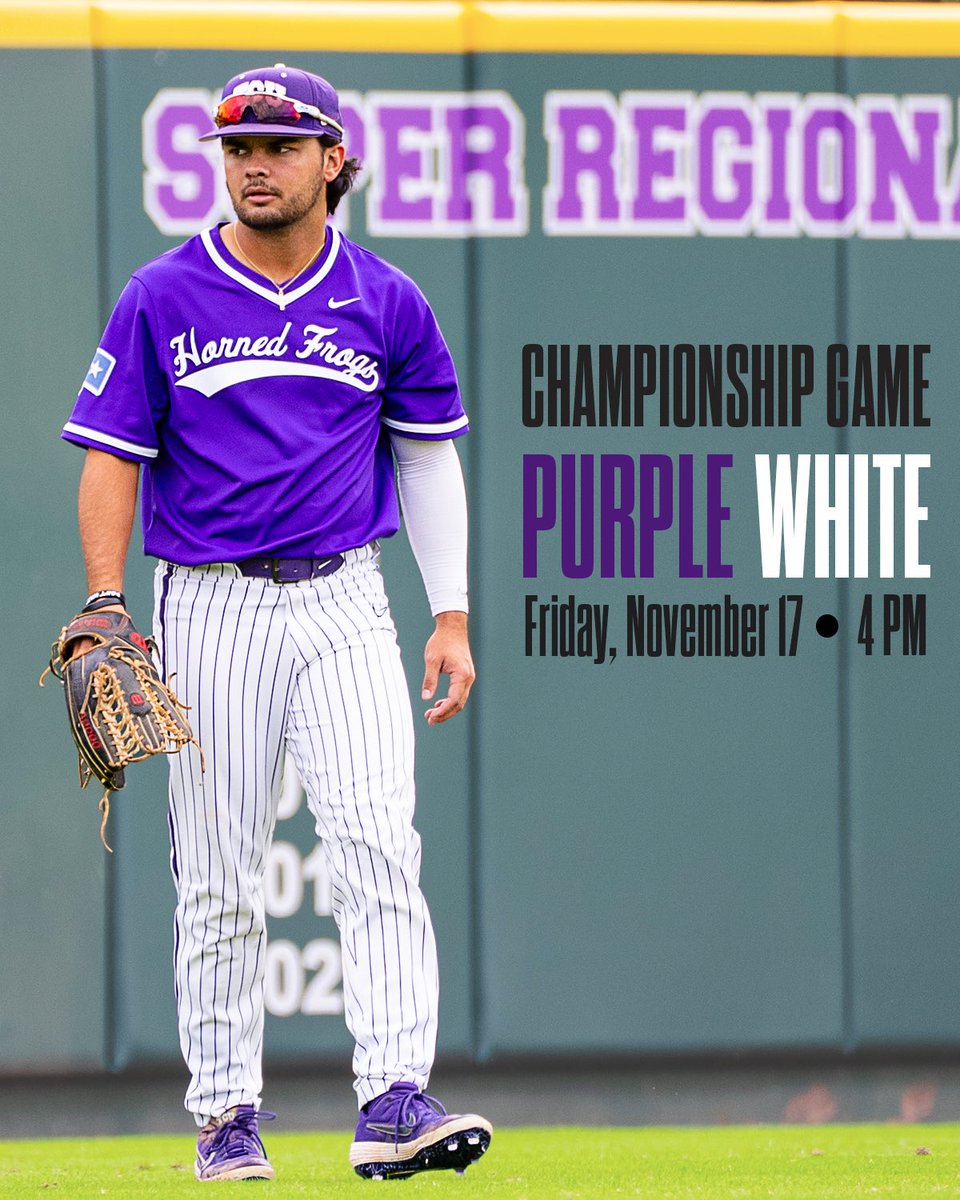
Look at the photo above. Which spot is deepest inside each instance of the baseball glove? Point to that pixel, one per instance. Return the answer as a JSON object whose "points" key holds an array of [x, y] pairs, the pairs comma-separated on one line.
{"points": [[119, 709]]}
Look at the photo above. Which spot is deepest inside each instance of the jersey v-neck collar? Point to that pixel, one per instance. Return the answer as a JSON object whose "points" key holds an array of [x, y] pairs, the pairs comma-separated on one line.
{"points": [[224, 261]]}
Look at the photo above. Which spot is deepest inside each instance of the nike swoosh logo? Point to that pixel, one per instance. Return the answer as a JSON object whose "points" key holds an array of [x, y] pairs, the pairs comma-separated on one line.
{"points": [[386, 1128], [331, 303]]}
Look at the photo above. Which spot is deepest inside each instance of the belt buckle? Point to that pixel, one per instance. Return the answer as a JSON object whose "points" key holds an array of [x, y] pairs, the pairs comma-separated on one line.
{"points": [[276, 565]]}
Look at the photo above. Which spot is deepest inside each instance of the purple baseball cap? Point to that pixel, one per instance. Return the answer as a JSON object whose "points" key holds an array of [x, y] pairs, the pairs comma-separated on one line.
{"points": [[277, 100]]}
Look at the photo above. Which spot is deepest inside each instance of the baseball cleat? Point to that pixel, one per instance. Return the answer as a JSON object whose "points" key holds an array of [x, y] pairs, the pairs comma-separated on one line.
{"points": [[229, 1147], [404, 1131]]}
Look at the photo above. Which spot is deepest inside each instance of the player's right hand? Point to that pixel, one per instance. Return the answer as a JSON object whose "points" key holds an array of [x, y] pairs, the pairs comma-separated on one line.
{"points": [[448, 653]]}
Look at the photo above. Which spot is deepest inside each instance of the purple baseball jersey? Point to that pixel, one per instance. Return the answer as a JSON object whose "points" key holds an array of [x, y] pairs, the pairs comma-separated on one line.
{"points": [[261, 418]]}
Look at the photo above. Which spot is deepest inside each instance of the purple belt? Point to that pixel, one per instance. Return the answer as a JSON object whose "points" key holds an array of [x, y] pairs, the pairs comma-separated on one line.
{"points": [[289, 570]]}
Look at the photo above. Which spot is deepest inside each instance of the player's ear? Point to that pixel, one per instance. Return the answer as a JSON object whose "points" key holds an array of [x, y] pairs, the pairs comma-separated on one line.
{"points": [[333, 161]]}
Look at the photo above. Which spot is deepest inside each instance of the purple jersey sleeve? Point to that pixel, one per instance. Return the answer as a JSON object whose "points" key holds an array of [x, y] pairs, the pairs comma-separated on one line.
{"points": [[422, 397], [120, 399]]}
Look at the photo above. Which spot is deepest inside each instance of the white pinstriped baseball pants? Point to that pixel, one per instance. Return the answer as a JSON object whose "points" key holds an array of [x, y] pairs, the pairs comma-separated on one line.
{"points": [[312, 668]]}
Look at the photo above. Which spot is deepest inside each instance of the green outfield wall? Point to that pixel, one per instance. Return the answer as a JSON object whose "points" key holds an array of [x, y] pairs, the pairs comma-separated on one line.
{"points": [[678, 252]]}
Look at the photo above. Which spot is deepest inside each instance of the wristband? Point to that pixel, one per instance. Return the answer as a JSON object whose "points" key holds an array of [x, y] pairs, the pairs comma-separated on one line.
{"points": [[104, 599]]}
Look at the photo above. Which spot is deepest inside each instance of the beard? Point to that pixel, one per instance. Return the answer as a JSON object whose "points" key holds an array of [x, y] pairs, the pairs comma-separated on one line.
{"points": [[293, 208]]}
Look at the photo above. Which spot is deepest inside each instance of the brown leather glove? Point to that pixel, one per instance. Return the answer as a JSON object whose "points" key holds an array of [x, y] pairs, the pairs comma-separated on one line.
{"points": [[119, 709]]}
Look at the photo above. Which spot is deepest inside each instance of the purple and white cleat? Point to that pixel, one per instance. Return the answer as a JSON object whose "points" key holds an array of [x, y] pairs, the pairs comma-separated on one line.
{"points": [[229, 1147], [404, 1131]]}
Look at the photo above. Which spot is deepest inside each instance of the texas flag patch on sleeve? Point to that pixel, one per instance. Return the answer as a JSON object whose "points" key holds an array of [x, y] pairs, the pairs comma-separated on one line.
{"points": [[99, 372]]}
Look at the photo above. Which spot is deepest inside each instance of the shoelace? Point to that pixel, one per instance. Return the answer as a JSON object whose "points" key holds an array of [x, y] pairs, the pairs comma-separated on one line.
{"points": [[238, 1136], [400, 1108]]}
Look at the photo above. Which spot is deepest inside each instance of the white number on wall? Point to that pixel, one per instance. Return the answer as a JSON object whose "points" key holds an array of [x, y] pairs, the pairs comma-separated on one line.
{"points": [[306, 980], [283, 880], [323, 996]]}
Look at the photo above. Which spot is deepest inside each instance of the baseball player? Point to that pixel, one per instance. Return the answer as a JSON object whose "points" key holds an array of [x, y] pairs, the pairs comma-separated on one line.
{"points": [[278, 384]]}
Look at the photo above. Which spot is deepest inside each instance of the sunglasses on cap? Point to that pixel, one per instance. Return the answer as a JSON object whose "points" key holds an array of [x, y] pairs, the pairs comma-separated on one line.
{"points": [[269, 109]]}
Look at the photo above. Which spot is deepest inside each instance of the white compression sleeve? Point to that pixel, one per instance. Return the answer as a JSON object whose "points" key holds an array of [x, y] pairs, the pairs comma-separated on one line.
{"points": [[434, 503]]}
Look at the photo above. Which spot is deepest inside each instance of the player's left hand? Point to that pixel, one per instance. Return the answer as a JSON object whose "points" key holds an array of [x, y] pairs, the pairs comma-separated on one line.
{"points": [[448, 653]]}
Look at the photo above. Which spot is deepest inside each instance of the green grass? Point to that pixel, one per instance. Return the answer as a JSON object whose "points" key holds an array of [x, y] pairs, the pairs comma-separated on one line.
{"points": [[826, 1162]]}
